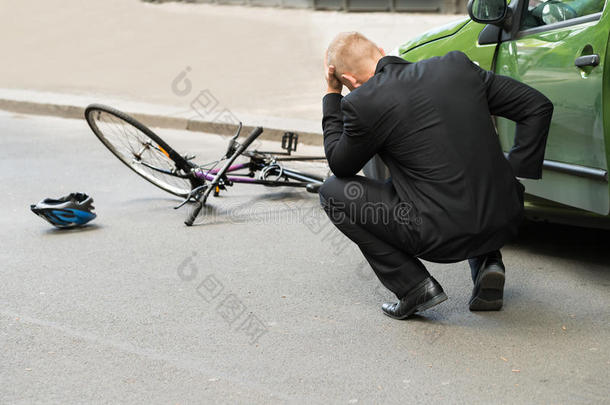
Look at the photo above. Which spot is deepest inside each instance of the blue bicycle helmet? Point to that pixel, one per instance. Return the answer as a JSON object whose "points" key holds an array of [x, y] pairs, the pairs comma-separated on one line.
{"points": [[73, 210]]}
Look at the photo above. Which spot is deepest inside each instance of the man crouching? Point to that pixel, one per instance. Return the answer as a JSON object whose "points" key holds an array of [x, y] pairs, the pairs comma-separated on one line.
{"points": [[452, 195]]}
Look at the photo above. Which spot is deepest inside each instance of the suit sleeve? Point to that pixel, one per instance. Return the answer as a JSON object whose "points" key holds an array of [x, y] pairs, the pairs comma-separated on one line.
{"points": [[532, 112], [348, 144]]}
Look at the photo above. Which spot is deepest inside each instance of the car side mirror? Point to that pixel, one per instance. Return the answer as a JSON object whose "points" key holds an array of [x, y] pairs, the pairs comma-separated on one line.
{"points": [[487, 11]]}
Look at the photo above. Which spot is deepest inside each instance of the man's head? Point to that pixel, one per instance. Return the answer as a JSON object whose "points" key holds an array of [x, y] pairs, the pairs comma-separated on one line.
{"points": [[354, 57]]}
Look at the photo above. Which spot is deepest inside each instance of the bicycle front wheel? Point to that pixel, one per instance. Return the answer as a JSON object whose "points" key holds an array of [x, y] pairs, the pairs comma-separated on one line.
{"points": [[140, 149]]}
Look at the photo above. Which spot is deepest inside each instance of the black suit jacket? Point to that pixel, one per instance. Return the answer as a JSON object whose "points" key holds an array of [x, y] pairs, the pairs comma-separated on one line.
{"points": [[431, 124]]}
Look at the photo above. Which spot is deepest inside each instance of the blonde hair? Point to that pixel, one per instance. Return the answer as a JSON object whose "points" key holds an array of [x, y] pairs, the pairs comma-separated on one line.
{"points": [[349, 52]]}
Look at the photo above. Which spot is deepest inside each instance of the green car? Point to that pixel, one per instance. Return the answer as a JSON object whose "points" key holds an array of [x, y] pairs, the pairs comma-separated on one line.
{"points": [[560, 48]]}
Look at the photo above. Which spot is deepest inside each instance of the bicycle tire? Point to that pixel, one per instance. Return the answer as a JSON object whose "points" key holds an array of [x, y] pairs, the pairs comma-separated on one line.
{"points": [[161, 156]]}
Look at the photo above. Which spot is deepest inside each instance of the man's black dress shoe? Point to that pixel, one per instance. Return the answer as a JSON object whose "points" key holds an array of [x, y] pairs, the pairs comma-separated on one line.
{"points": [[488, 291], [425, 295]]}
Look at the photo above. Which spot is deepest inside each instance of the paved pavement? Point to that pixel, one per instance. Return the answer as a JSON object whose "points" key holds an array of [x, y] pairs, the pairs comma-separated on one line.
{"points": [[252, 61], [124, 311]]}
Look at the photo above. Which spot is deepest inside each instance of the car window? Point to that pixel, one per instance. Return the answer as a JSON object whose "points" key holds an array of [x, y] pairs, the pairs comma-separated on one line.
{"points": [[545, 12]]}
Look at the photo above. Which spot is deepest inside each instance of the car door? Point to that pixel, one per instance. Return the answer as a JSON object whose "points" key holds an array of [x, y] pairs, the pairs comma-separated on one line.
{"points": [[553, 37]]}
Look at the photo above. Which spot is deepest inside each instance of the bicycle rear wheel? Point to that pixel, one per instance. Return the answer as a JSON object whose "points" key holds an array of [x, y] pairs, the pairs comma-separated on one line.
{"points": [[140, 149]]}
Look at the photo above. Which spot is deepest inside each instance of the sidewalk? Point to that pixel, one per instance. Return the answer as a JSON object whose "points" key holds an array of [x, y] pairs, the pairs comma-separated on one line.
{"points": [[249, 62]]}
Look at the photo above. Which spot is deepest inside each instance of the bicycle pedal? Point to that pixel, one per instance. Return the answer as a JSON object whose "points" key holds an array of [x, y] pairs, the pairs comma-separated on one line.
{"points": [[290, 141]]}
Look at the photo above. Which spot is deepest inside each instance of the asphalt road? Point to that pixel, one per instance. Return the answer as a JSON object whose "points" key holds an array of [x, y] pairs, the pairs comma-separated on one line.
{"points": [[263, 302]]}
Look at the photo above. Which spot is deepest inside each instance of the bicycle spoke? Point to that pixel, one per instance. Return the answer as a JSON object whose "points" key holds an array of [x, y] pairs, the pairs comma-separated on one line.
{"points": [[135, 147]]}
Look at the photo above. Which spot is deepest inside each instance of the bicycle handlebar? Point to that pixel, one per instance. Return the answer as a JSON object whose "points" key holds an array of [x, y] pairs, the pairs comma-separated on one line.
{"points": [[240, 149], [193, 215], [253, 135]]}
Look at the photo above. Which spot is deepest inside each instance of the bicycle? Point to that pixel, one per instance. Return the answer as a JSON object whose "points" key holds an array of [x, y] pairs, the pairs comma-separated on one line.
{"points": [[152, 158]]}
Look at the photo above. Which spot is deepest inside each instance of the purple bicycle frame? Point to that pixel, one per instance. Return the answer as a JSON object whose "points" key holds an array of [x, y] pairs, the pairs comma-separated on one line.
{"points": [[211, 174]]}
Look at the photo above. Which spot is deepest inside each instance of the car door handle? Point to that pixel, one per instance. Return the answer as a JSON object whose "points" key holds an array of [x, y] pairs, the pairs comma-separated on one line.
{"points": [[587, 60]]}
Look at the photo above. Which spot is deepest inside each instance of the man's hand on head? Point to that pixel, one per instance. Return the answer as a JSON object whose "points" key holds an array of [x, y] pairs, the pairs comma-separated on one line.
{"points": [[334, 85]]}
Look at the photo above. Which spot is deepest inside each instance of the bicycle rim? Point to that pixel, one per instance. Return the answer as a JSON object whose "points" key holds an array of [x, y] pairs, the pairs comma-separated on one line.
{"points": [[140, 149]]}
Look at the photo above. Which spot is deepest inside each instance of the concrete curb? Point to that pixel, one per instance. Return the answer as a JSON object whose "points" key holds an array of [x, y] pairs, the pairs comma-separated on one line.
{"points": [[158, 119]]}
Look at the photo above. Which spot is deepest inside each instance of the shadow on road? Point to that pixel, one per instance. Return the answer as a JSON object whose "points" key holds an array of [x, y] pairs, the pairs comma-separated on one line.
{"points": [[585, 245], [70, 231]]}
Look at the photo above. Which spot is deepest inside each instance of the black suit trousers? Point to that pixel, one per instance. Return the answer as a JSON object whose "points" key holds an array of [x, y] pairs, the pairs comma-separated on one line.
{"points": [[370, 213]]}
